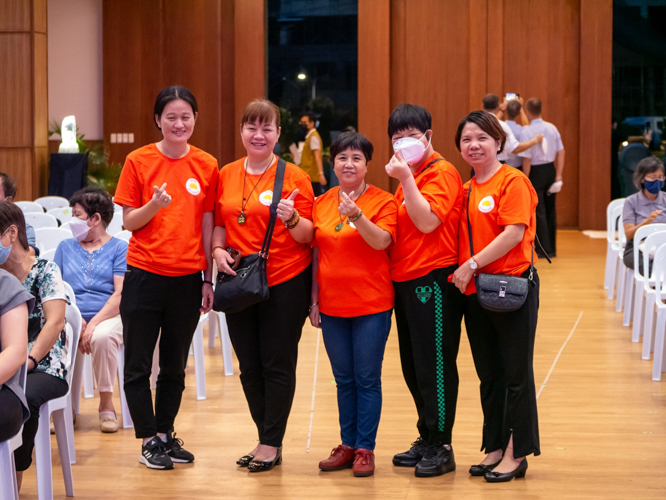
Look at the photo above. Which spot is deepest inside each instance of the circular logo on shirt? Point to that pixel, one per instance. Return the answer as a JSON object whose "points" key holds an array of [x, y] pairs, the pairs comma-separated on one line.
{"points": [[266, 198], [486, 204], [192, 186]]}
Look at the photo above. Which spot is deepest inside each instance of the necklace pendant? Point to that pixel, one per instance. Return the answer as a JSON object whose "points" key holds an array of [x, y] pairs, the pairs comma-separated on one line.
{"points": [[241, 218], [338, 227]]}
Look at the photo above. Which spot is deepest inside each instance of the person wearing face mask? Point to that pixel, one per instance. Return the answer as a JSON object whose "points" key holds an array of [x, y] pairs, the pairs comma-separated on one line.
{"points": [[265, 336], [428, 309], [352, 296], [167, 191], [645, 207], [8, 192], [311, 159], [94, 265], [499, 206], [47, 335]]}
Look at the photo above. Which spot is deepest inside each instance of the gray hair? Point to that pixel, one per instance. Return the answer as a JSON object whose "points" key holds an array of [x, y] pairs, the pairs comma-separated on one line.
{"points": [[646, 166]]}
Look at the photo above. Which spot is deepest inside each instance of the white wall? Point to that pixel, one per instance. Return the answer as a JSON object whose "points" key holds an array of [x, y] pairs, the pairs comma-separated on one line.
{"points": [[75, 64]]}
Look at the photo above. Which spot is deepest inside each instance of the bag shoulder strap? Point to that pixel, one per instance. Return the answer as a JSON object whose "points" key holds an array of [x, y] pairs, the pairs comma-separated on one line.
{"points": [[277, 195]]}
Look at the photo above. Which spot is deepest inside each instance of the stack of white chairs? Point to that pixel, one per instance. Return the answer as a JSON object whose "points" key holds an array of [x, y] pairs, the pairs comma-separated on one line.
{"points": [[652, 242], [50, 202], [30, 207], [61, 410], [612, 244], [116, 224], [49, 237], [659, 271], [123, 235], [8, 485], [63, 214], [39, 220], [621, 268]]}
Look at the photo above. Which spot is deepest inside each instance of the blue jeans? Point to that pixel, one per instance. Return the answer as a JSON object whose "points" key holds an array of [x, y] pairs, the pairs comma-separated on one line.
{"points": [[355, 347]]}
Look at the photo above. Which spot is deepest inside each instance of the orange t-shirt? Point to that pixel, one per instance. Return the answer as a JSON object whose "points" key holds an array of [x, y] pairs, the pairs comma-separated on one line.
{"points": [[353, 278], [286, 257], [506, 198], [171, 244], [415, 253]]}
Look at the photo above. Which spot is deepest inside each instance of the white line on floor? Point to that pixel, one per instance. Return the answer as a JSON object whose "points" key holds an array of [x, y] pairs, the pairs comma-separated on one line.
{"points": [[314, 387], [558, 354]]}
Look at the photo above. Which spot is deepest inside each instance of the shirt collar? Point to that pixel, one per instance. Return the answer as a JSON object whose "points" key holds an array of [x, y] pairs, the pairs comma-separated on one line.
{"points": [[536, 120], [310, 133]]}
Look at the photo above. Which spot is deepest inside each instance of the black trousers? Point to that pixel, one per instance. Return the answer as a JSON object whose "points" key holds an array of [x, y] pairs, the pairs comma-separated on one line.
{"points": [[428, 313], [503, 350], [150, 303], [40, 387], [265, 337], [11, 414], [542, 177]]}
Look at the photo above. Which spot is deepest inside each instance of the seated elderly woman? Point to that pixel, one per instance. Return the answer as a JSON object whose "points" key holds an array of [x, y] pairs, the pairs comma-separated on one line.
{"points": [[94, 264], [47, 337], [645, 207]]}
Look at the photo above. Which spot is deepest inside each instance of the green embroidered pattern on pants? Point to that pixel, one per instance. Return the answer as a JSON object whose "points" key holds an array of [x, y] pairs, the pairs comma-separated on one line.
{"points": [[439, 330]]}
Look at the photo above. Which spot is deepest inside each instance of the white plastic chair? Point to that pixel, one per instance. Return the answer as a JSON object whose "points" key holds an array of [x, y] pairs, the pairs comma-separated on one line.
{"points": [[49, 237], [48, 255], [124, 235], [66, 227], [612, 244], [217, 325], [117, 208], [659, 270], [618, 250], [29, 207], [61, 410], [634, 279], [116, 224], [49, 202], [37, 220], [8, 485], [63, 214], [652, 241], [622, 269]]}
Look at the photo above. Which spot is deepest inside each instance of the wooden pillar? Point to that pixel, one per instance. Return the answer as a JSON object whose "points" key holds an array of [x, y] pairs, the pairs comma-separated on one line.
{"points": [[374, 83], [23, 85]]}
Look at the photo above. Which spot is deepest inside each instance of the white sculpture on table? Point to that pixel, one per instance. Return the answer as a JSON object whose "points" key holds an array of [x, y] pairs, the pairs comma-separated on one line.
{"points": [[68, 134]]}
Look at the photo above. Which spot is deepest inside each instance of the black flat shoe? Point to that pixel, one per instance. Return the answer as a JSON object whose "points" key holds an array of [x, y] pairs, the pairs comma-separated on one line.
{"points": [[245, 460], [497, 477], [481, 469], [412, 456], [256, 466]]}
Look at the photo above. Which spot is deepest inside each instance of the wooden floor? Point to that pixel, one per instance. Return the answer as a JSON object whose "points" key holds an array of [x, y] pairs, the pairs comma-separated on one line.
{"points": [[602, 419]]}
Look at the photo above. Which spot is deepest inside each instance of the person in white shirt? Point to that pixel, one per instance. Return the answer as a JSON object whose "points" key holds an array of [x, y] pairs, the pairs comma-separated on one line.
{"points": [[543, 165], [512, 111]]}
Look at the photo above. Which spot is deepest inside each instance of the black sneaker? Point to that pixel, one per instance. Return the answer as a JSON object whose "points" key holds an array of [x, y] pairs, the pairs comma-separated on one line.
{"points": [[174, 447], [437, 461], [154, 455], [412, 456]]}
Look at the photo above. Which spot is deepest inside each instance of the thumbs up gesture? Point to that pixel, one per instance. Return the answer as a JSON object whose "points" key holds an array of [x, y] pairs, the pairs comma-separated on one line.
{"points": [[285, 209], [347, 206]]}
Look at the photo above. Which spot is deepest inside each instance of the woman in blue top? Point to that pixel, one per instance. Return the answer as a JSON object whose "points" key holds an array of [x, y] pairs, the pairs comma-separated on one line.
{"points": [[94, 265]]}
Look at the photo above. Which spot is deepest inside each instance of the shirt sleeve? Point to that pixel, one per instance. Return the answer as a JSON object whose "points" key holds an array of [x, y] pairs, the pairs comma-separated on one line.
{"points": [[629, 215], [442, 190], [511, 142], [305, 199], [120, 259], [13, 294], [209, 201], [51, 286], [128, 191], [387, 217], [315, 143], [30, 232], [515, 203], [57, 258]]}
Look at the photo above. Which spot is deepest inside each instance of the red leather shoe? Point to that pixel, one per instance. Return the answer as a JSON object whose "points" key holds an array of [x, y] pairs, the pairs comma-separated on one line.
{"points": [[364, 464], [341, 457]]}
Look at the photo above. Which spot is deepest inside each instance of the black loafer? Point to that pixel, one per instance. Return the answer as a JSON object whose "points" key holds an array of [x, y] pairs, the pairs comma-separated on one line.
{"points": [[412, 456], [481, 469], [437, 461], [245, 460], [497, 477], [257, 466]]}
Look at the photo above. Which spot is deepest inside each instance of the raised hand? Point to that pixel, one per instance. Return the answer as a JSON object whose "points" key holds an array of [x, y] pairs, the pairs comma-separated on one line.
{"points": [[285, 209], [161, 197], [347, 206], [398, 168], [652, 217]]}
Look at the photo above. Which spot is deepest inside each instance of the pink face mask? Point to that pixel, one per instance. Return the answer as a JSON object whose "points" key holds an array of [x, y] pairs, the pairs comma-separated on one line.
{"points": [[411, 148]]}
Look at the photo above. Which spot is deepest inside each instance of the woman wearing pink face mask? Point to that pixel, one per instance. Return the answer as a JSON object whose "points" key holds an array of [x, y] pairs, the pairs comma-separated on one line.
{"points": [[94, 265], [428, 308]]}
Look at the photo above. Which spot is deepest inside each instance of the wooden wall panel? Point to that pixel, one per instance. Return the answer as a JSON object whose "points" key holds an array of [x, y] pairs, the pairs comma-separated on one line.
{"points": [[249, 58], [478, 54], [39, 16], [596, 62], [41, 118], [374, 78], [229, 127], [15, 15], [15, 81]]}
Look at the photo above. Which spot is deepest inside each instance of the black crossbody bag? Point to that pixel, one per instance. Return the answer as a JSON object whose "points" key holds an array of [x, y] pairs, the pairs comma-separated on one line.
{"points": [[500, 292], [250, 285]]}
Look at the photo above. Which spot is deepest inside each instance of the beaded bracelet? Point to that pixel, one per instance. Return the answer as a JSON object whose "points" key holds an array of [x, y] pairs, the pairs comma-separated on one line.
{"points": [[33, 360], [356, 217], [293, 220]]}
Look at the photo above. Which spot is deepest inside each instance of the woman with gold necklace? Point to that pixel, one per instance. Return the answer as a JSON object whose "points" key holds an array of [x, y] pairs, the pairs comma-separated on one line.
{"points": [[352, 296], [265, 336]]}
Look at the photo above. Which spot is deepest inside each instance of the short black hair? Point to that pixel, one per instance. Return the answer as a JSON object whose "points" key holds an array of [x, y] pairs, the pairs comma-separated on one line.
{"points": [[513, 109], [406, 116], [311, 116], [351, 140], [485, 121], [534, 106], [94, 201], [490, 102], [646, 166], [173, 93], [8, 185], [12, 215]]}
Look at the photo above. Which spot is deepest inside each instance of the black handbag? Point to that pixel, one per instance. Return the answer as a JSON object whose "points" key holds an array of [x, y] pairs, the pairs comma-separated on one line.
{"points": [[250, 285], [499, 292]]}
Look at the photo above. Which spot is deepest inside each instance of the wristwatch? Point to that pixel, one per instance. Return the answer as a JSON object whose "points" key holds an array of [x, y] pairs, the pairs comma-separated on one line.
{"points": [[472, 264]]}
